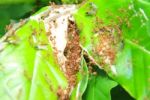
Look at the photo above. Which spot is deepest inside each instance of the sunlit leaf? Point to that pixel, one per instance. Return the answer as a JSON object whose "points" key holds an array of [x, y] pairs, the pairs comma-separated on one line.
{"points": [[131, 65], [29, 69]]}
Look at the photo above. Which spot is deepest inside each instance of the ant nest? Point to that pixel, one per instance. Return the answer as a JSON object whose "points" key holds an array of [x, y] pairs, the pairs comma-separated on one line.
{"points": [[63, 36]]}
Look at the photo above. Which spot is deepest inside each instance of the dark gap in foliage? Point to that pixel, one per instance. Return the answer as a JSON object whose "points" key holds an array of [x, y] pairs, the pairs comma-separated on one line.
{"points": [[100, 71], [118, 93], [41, 3], [12, 13], [19, 11]]}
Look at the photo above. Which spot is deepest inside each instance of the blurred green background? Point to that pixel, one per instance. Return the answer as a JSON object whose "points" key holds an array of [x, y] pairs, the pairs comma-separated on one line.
{"points": [[11, 11]]}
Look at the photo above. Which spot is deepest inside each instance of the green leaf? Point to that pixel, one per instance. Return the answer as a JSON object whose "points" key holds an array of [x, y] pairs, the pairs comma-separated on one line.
{"points": [[132, 63], [131, 67], [26, 46], [28, 67], [99, 87], [87, 22]]}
